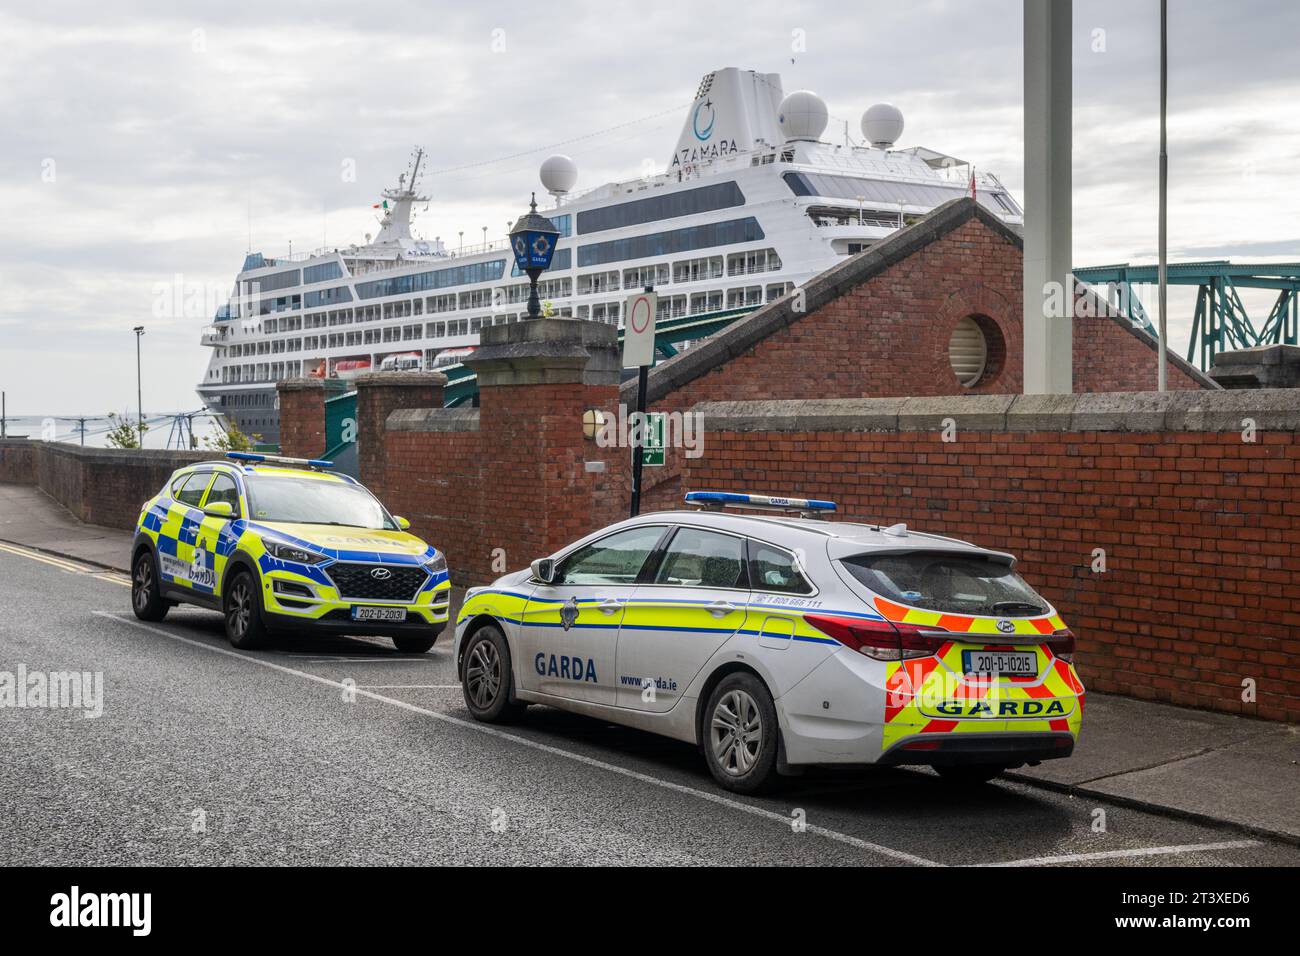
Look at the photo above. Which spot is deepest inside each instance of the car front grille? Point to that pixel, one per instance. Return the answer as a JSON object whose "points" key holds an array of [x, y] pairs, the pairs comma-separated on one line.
{"points": [[357, 582]]}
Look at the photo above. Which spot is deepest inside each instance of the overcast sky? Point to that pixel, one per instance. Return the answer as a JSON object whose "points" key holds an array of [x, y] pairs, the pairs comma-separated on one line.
{"points": [[138, 137]]}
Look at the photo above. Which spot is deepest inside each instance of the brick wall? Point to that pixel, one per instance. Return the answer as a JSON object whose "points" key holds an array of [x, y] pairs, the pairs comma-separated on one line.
{"points": [[302, 415], [1200, 529], [514, 479], [18, 461], [879, 326]]}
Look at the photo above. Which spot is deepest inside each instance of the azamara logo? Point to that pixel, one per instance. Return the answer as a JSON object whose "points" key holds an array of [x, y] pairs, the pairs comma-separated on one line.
{"points": [[103, 909]]}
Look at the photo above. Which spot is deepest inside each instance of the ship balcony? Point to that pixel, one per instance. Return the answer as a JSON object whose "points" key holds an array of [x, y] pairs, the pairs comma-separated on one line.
{"points": [[212, 336]]}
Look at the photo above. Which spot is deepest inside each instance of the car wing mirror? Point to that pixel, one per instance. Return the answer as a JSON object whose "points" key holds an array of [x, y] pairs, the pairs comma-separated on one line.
{"points": [[219, 509], [402, 523], [543, 570]]}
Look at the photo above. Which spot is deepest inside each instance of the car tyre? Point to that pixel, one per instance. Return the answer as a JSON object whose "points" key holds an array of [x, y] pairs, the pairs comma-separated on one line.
{"points": [[740, 734], [969, 775], [146, 589], [242, 605], [414, 643], [487, 678]]}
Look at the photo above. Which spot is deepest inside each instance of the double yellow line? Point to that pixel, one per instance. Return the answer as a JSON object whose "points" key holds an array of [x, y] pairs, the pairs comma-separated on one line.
{"points": [[63, 564]]}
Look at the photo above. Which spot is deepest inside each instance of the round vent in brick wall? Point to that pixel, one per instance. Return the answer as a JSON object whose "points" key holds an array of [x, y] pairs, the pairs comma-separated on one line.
{"points": [[968, 352]]}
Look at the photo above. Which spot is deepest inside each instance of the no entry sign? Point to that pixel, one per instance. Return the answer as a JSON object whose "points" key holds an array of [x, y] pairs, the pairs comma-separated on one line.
{"points": [[639, 330]]}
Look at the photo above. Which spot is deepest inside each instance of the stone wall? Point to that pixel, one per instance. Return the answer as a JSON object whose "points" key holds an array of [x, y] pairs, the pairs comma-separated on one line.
{"points": [[102, 486]]}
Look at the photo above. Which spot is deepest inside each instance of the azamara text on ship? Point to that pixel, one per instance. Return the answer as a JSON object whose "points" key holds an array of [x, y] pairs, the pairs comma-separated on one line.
{"points": [[753, 203]]}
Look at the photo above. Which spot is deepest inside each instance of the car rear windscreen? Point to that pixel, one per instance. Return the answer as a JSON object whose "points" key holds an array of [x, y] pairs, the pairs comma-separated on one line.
{"points": [[947, 582]]}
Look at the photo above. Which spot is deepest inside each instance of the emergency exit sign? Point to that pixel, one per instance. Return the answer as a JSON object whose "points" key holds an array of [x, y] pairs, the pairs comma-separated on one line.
{"points": [[652, 451]]}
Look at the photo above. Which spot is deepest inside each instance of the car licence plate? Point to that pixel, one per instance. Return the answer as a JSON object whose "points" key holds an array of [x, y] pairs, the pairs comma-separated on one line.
{"points": [[385, 614], [1004, 663]]}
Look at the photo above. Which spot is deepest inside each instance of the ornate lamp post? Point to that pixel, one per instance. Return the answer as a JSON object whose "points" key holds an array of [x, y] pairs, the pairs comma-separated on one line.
{"points": [[533, 241]]}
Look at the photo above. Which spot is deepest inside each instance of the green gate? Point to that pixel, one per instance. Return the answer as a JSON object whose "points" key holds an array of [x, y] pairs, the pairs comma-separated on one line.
{"points": [[341, 432]]}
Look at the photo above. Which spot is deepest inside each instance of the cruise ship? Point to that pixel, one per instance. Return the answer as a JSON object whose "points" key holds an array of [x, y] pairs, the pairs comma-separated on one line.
{"points": [[754, 201]]}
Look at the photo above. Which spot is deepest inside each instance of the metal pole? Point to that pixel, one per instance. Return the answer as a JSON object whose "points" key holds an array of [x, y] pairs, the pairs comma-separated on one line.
{"points": [[1162, 278], [638, 447], [139, 390]]}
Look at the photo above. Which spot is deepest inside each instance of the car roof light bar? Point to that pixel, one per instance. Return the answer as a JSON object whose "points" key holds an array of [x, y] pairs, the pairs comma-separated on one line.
{"points": [[257, 458], [717, 500]]}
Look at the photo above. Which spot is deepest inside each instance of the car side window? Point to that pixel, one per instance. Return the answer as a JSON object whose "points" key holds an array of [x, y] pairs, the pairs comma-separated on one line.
{"points": [[191, 491], [703, 559], [224, 489], [777, 570], [614, 559]]}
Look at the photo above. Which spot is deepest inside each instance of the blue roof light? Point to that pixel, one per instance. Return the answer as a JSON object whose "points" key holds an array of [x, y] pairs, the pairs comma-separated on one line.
{"points": [[280, 460], [724, 499]]}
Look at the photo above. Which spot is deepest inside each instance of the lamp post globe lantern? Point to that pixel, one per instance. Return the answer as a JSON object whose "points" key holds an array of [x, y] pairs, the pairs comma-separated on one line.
{"points": [[532, 240]]}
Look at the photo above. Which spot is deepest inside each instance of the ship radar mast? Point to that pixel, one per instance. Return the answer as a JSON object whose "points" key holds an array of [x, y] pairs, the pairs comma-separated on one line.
{"points": [[396, 224]]}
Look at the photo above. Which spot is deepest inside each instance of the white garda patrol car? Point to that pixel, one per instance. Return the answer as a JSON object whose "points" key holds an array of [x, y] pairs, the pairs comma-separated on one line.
{"points": [[777, 642]]}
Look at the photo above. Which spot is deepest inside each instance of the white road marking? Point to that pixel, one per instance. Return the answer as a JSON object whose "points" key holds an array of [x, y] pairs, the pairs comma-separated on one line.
{"points": [[365, 660], [410, 686], [1122, 854], [490, 731]]}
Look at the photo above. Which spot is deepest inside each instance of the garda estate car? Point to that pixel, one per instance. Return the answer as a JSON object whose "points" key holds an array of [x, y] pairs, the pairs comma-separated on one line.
{"points": [[779, 641], [280, 544]]}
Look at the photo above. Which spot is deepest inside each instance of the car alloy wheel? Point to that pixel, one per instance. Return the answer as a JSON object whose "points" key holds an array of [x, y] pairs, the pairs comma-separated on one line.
{"points": [[483, 674], [240, 609], [736, 733], [142, 589]]}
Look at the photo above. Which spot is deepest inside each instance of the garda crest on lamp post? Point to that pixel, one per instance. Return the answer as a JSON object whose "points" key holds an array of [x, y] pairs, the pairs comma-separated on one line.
{"points": [[533, 243]]}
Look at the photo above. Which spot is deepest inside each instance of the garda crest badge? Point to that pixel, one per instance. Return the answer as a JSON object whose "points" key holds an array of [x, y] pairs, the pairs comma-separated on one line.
{"points": [[569, 613]]}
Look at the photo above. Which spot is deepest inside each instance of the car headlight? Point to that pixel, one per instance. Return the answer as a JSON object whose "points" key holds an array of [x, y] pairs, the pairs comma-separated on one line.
{"points": [[436, 564], [289, 552]]}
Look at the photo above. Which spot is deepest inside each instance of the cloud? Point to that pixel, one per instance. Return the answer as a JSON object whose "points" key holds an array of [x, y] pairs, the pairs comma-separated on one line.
{"points": [[148, 140]]}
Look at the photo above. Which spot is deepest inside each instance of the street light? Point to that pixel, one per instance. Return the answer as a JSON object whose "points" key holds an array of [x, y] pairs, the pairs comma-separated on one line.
{"points": [[139, 393], [533, 240]]}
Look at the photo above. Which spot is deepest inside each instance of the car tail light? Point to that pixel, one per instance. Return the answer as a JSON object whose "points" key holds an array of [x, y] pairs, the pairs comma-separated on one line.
{"points": [[879, 640], [1062, 644]]}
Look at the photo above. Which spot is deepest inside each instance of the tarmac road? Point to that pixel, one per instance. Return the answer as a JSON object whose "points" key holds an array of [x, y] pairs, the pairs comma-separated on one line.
{"points": [[341, 750]]}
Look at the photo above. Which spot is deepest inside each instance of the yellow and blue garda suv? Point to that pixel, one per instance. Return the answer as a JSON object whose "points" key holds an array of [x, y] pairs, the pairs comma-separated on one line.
{"points": [[282, 545]]}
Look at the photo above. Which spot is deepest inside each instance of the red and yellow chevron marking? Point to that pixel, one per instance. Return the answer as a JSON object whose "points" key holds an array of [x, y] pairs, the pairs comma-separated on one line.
{"points": [[932, 695], [901, 614]]}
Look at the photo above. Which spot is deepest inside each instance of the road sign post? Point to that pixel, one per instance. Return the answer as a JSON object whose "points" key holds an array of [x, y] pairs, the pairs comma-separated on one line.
{"points": [[639, 353]]}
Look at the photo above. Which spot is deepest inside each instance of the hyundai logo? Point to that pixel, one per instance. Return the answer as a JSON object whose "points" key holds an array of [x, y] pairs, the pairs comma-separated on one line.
{"points": [[1006, 627], [381, 574]]}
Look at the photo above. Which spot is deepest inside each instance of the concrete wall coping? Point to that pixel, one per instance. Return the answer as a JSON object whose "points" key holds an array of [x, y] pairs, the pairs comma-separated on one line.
{"points": [[432, 420], [308, 383], [401, 380], [1274, 409], [149, 457], [546, 351]]}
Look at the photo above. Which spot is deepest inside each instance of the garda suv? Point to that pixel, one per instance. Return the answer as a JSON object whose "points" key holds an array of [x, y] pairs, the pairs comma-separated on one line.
{"points": [[282, 544], [777, 641]]}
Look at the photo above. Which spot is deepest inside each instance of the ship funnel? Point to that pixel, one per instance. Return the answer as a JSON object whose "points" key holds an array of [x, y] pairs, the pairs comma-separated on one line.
{"points": [[734, 111]]}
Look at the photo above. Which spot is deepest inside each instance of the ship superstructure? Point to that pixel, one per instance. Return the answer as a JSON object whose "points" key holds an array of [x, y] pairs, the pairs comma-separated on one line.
{"points": [[752, 203]]}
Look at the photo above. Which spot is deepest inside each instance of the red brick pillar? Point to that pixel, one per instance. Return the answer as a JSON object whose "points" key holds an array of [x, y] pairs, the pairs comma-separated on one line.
{"points": [[302, 414], [546, 483], [378, 395]]}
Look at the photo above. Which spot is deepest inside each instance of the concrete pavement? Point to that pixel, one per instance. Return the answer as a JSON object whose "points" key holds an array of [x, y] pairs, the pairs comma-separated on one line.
{"points": [[1208, 767]]}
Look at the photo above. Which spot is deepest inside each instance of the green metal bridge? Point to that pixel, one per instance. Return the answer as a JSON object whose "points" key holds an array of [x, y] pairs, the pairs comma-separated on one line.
{"points": [[462, 385], [1220, 322]]}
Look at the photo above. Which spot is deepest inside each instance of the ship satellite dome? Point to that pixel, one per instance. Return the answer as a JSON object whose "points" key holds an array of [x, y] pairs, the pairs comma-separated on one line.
{"points": [[882, 125], [559, 174], [802, 116]]}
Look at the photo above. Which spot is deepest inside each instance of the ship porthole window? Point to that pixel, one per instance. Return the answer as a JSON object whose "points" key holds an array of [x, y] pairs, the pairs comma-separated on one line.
{"points": [[974, 349]]}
